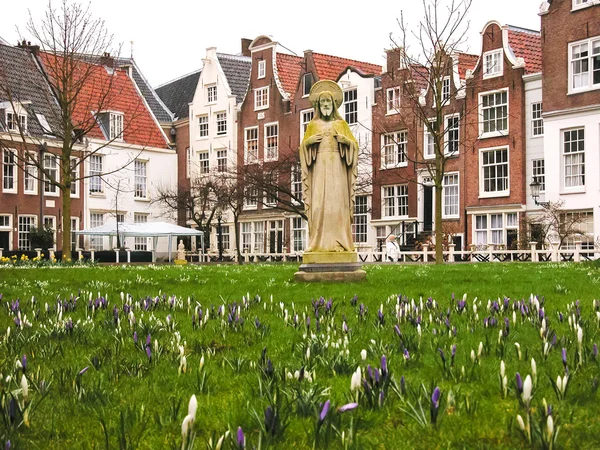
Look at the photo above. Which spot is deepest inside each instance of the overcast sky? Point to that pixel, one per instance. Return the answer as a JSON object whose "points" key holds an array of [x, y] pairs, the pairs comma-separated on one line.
{"points": [[169, 40]]}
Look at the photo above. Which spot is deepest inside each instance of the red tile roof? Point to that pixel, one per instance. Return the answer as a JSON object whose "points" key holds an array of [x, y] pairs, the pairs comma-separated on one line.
{"points": [[98, 90], [420, 76], [526, 44], [288, 70], [466, 62], [331, 67]]}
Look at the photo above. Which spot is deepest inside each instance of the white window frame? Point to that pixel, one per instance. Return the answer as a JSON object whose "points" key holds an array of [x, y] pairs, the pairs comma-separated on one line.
{"points": [[246, 234], [428, 146], [140, 191], [538, 172], [360, 230], [306, 115], [221, 123], [393, 100], [537, 123], [221, 160], [96, 219], [493, 63], [30, 176], [296, 178], [13, 125], [483, 193], [580, 4], [261, 69], [225, 237], [251, 157], [261, 98], [211, 94], [445, 90], [96, 184], [23, 229], [394, 149], [258, 236], [351, 106], [140, 243], [299, 228], [270, 200], [569, 156], [74, 237], [251, 194], [271, 141], [10, 177], [50, 222], [306, 87], [497, 106], [203, 162], [6, 226], [587, 77], [74, 177], [203, 126], [447, 136], [451, 196], [188, 162], [394, 201], [115, 126], [49, 188]]}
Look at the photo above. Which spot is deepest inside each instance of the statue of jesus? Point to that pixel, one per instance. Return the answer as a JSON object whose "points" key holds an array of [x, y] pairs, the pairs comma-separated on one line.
{"points": [[329, 158]]}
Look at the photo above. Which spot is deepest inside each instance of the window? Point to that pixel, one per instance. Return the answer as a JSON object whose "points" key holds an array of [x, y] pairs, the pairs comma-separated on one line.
{"points": [[537, 123], [271, 180], [351, 106], [481, 230], [262, 69], [95, 174], [74, 177], [381, 235], [393, 100], [246, 237], [203, 126], [494, 172], [445, 90], [271, 141], [204, 166], [583, 222], [221, 119], [538, 172], [359, 227], [297, 183], [29, 177], [140, 243], [584, 65], [141, 179], [188, 162], [116, 126], [429, 140], [211, 94], [496, 228], [251, 144], [25, 224], [96, 220], [9, 171], [581, 3], [50, 223], [452, 135], [305, 117], [574, 158], [307, 83], [492, 64], [298, 234], [450, 199], [394, 149], [251, 197], [259, 236], [395, 201], [261, 98], [225, 241], [221, 161], [494, 113], [16, 122], [74, 237], [51, 168]]}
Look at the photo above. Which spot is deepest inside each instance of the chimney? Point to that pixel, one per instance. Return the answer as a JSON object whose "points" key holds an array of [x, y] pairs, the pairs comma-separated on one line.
{"points": [[393, 59], [107, 60], [246, 46], [34, 49]]}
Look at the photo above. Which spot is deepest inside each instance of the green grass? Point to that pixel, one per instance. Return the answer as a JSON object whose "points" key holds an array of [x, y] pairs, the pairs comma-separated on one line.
{"points": [[125, 400]]}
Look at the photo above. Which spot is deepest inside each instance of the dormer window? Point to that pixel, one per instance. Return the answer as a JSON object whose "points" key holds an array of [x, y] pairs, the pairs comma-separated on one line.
{"points": [[492, 64], [16, 122], [116, 126], [262, 68], [307, 83]]}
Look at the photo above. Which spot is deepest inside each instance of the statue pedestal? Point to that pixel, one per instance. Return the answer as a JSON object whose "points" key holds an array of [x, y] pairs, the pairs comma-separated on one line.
{"points": [[330, 266]]}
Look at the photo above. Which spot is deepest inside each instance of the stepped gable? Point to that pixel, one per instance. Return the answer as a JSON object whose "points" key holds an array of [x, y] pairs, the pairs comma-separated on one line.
{"points": [[526, 44], [113, 90], [237, 71], [179, 93]]}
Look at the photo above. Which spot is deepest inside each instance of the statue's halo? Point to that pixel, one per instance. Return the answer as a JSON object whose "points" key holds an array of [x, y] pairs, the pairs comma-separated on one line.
{"points": [[326, 86]]}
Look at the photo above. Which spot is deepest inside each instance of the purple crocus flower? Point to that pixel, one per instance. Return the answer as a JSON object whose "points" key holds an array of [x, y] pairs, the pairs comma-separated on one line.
{"points": [[24, 363], [84, 370], [442, 355], [435, 398], [347, 407], [519, 382], [406, 354], [7, 446], [135, 337], [324, 411], [384, 365], [269, 418], [149, 352], [345, 327], [148, 341], [403, 385], [397, 330], [241, 439], [564, 356]]}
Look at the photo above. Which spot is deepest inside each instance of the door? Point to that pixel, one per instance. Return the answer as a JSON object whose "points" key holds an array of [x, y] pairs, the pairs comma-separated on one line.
{"points": [[457, 241], [427, 208], [4, 241], [276, 236]]}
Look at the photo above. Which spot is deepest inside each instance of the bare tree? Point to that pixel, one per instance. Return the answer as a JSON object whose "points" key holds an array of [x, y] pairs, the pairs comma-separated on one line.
{"points": [[74, 49], [556, 225]]}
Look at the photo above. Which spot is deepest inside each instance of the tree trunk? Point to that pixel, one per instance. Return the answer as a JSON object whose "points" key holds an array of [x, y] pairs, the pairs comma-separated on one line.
{"points": [[237, 238], [66, 223], [439, 245]]}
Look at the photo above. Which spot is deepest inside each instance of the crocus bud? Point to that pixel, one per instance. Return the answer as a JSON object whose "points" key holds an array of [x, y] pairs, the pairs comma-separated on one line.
{"points": [[580, 335], [549, 427], [480, 350], [363, 354], [527, 387], [502, 368], [520, 422], [24, 387]]}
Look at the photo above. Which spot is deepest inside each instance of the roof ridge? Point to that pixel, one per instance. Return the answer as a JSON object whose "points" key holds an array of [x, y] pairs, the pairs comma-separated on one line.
{"points": [[178, 78], [524, 30], [238, 57], [347, 59]]}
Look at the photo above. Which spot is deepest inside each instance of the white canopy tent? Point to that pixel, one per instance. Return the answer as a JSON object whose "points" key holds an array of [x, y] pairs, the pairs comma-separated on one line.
{"points": [[148, 229]]}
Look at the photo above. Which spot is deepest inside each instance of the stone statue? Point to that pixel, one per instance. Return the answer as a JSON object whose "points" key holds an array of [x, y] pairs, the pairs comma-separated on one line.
{"points": [[329, 158], [181, 251]]}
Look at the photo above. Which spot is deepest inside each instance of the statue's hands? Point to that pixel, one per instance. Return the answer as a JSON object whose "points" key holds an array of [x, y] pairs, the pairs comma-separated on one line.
{"points": [[341, 139], [314, 139]]}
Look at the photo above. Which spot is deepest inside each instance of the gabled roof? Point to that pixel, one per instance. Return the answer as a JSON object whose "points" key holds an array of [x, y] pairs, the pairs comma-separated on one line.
{"points": [[237, 71], [179, 93], [22, 80], [466, 62], [526, 44], [98, 91], [331, 67], [420, 76], [288, 71], [160, 110]]}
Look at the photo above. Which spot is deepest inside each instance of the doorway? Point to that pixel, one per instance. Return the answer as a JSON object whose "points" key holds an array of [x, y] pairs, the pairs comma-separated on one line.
{"points": [[276, 236], [427, 208]]}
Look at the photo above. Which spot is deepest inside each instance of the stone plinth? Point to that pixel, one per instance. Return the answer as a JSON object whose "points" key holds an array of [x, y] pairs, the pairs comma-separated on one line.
{"points": [[330, 266]]}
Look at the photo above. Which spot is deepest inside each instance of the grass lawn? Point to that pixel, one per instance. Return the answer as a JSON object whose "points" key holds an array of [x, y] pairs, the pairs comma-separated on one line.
{"points": [[113, 355]]}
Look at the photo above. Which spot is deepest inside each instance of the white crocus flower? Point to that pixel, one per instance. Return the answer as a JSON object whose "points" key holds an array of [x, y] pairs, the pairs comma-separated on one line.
{"points": [[518, 347], [527, 388], [549, 427], [502, 368], [24, 387], [520, 422], [363, 354], [534, 369], [355, 380], [480, 350], [580, 335]]}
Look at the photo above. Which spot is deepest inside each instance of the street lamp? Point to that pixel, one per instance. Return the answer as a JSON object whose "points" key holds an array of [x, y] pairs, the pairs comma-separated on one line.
{"points": [[535, 193], [220, 235]]}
